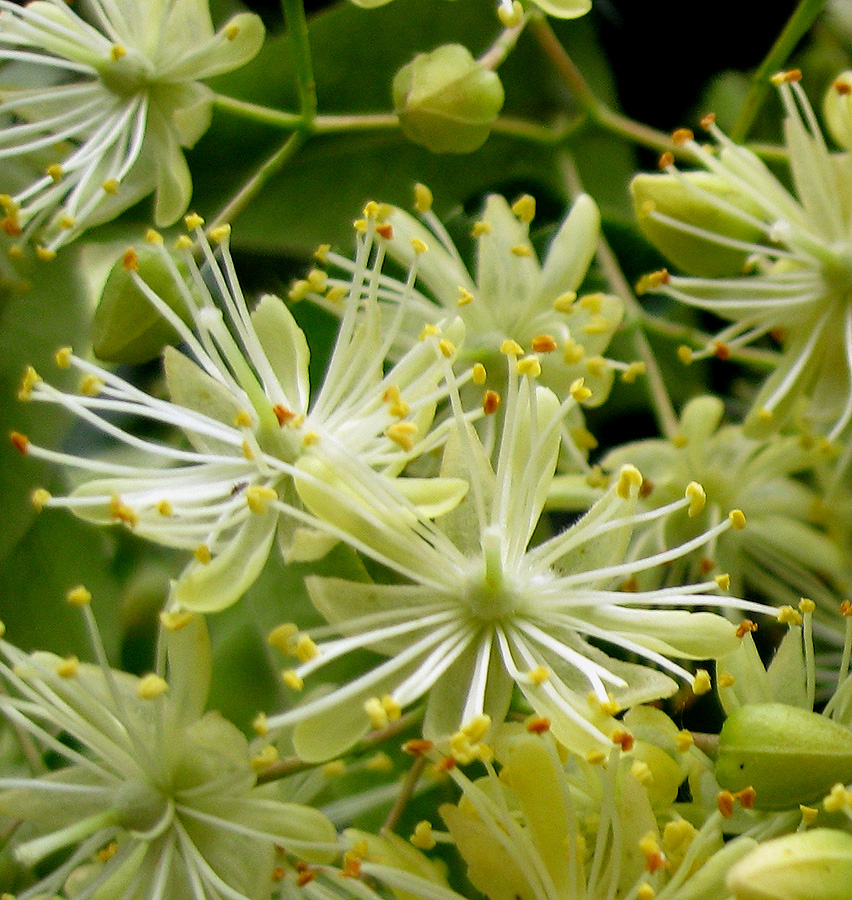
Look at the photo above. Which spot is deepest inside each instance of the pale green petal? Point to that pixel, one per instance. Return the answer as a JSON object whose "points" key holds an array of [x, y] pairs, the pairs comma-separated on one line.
{"points": [[571, 251], [750, 682], [565, 9], [286, 348], [222, 581], [190, 668], [786, 673], [306, 544], [700, 419], [174, 183], [223, 55], [189, 107], [432, 496]]}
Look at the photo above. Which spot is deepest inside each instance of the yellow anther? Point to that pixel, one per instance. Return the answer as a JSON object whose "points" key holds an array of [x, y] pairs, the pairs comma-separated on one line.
{"points": [[220, 234], [336, 294], [2, 629], [259, 496], [419, 245], [789, 616], [422, 837], [9, 205], [20, 442], [595, 757], [376, 713], [697, 498], [838, 798], [572, 352], [402, 433], [292, 679], [263, 760], [597, 366], [334, 768], [530, 366], [67, 222], [68, 667], [79, 596], [806, 606], [633, 371], [592, 303], [422, 198], [379, 762], [360, 225], [184, 242], [165, 509], [579, 391], [321, 253], [684, 740], [780, 78], [428, 331], [151, 686], [105, 854], [121, 512], [738, 519], [597, 325], [260, 724], [524, 208], [447, 348], [490, 402], [544, 343], [299, 290], [45, 254], [232, 31], [765, 415], [130, 260], [193, 221], [477, 727], [111, 186], [479, 374], [701, 684], [283, 637], [641, 771], [55, 171], [62, 357], [465, 296], [511, 348], [724, 581], [522, 250], [645, 892], [117, 52], [539, 675], [154, 237], [175, 621], [510, 18], [40, 498], [15, 251], [646, 209], [243, 419], [809, 814], [685, 354], [725, 680], [371, 209], [202, 554], [318, 280], [90, 385], [629, 481], [565, 302], [247, 450], [481, 228], [306, 649]]}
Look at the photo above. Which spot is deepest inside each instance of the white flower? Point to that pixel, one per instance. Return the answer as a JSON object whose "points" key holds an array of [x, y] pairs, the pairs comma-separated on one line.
{"points": [[243, 402], [120, 96], [487, 609], [151, 791], [799, 253]]}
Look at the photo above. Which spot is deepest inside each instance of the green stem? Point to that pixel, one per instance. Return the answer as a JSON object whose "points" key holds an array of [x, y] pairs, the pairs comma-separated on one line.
{"points": [[797, 25], [355, 122], [406, 791], [597, 111], [297, 29], [263, 114], [503, 46], [252, 187]]}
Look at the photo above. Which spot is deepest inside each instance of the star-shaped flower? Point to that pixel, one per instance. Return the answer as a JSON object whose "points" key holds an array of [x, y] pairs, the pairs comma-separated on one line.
{"points": [[121, 95], [795, 249], [150, 790], [486, 608], [243, 401]]}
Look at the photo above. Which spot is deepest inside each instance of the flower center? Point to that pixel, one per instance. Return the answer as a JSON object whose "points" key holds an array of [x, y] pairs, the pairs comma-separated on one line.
{"points": [[126, 72], [489, 594]]}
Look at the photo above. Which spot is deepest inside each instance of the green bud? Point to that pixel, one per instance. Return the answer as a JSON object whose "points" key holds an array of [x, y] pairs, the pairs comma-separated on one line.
{"points": [[126, 327], [790, 756], [807, 865], [669, 195], [446, 100]]}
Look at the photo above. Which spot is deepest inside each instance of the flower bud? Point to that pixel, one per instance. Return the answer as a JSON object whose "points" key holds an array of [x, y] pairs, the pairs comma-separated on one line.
{"points": [[127, 328], [837, 109], [691, 197], [789, 755], [807, 865], [446, 100]]}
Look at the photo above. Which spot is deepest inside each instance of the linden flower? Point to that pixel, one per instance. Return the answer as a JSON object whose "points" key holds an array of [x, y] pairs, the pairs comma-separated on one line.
{"points": [[121, 98], [243, 402], [512, 297], [797, 250], [548, 830], [511, 11], [484, 610], [151, 791], [783, 554]]}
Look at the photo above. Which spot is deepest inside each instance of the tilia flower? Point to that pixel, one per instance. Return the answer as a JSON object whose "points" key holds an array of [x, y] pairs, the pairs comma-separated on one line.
{"points": [[243, 402], [485, 609], [795, 250], [120, 96], [145, 788]]}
